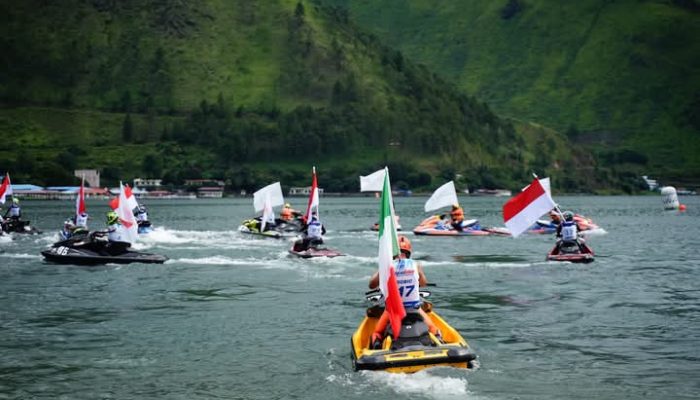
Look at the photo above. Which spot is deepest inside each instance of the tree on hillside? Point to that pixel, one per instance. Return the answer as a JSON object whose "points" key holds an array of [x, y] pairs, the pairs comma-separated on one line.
{"points": [[127, 129]]}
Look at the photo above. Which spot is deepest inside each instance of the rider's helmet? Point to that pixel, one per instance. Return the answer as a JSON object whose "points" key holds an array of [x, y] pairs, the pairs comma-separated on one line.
{"points": [[405, 245], [112, 218], [15, 200], [287, 205], [568, 216], [455, 206], [83, 214]]}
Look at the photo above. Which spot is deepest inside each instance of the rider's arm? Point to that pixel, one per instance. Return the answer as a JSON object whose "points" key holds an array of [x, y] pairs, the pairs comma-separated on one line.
{"points": [[422, 279], [374, 280]]}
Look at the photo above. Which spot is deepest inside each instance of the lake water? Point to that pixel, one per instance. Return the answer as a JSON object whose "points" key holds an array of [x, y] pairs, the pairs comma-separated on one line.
{"points": [[235, 317]]}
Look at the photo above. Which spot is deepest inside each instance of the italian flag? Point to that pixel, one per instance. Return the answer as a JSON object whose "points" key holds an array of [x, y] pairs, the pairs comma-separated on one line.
{"points": [[388, 249]]}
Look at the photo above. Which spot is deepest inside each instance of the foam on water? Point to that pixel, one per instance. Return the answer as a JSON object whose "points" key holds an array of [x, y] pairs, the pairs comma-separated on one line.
{"points": [[215, 260], [12, 255], [422, 383], [211, 239], [594, 232]]}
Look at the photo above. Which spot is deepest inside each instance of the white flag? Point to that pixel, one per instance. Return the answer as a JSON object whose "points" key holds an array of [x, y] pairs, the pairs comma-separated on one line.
{"points": [[444, 196], [373, 182], [130, 227]]}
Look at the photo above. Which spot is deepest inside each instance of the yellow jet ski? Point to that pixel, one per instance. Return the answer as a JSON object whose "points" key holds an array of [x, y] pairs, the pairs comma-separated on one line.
{"points": [[415, 349]]}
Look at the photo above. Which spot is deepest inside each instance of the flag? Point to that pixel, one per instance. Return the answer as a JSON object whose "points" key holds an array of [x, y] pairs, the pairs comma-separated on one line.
{"points": [[444, 196], [130, 198], [388, 249], [267, 215], [5, 188], [523, 210], [130, 228], [80, 200], [313, 197], [372, 182], [273, 192]]}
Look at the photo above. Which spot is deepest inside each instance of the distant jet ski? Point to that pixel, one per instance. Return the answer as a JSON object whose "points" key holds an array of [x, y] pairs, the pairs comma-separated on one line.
{"points": [[19, 226], [314, 251], [575, 252], [145, 227]]}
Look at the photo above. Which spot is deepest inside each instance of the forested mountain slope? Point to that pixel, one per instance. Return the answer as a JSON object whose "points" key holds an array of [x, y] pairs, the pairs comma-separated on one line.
{"points": [[247, 91], [621, 76]]}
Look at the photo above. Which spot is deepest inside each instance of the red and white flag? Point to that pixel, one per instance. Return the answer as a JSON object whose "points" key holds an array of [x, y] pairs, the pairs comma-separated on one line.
{"points": [[130, 228], [80, 200], [523, 210], [388, 250], [313, 197], [5, 188], [130, 198]]}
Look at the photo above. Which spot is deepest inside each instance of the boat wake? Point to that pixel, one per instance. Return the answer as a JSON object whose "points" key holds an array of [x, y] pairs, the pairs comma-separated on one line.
{"points": [[214, 260], [426, 383], [163, 237]]}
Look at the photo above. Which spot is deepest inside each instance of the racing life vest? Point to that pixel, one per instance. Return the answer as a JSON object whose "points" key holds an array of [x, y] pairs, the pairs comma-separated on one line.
{"points": [[114, 233], [286, 214], [15, 211], [408, 282], [568, 231], [314, 229], [142, 216], [457, 214], [81, 220]]}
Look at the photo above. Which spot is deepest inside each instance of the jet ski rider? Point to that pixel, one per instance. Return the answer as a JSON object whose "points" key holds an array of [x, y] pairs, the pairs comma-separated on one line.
{"points": [[409, 273], [81, 220], [312, 234], [457, 215], [141, 214], [288, 213], [568, 230], [14, 211]]}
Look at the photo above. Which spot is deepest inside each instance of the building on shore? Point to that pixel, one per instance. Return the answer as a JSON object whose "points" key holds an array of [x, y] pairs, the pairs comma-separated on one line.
{"points": [[303, 191], [148, 183], [210, 192]]}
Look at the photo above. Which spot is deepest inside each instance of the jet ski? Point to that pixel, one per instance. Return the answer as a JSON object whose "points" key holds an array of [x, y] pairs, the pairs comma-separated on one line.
{"points": [[575, 252], [415, 349], [145, 227], [252, 227], [19, 226], [86, 249], [434, 226], [585, 226], [313, 251]]}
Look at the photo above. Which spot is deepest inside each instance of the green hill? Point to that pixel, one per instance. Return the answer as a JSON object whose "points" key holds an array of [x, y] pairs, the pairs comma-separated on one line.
{"points": [[247, 91], [622, 77]]}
